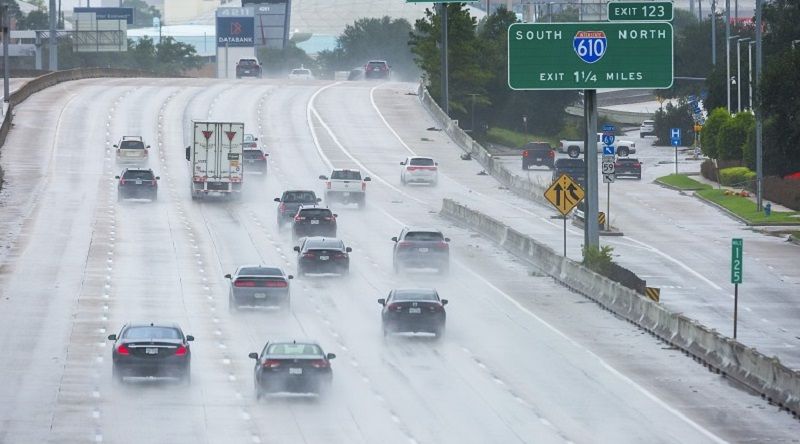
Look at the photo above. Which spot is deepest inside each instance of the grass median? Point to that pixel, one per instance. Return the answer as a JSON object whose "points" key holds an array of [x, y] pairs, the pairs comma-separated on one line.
{"points": [[746, 208], [683, 182]]}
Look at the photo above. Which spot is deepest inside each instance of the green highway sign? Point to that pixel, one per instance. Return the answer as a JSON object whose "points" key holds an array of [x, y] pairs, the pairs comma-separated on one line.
{"points": [[639, 11], [737, 247], [590, 55]]}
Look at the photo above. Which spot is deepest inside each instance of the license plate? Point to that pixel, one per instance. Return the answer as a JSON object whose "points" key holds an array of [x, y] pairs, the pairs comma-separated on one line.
{"points": [[138, 181], [314, 222], [415, 310], [324, 258], [423, 250], [295, 371], [538, 159], [151, 351], [260, 295]]}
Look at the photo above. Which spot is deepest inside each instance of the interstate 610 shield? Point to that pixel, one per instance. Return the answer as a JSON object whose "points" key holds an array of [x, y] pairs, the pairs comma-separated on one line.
{"points": [[590, 55]]}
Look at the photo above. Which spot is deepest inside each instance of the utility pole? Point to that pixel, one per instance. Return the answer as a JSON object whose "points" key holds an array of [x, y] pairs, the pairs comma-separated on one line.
{"points": [[728, 52], [714, 32], [53, 52], [444, 73], [739, 73], [6, 67], [759, 115], [750, 74]]}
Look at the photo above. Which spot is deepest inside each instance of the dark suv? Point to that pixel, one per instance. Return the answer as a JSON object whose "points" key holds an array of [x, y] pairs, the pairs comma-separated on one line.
{"points": [[377, 69], [421, 248], [574, 168], [290, 202], [135, 183], [248, 68], [628, 167], [314, 221], [539, 154], [322, 255]]}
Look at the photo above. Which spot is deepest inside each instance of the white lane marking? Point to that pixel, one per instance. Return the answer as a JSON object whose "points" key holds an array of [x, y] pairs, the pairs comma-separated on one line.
{"points": [[385, 122]]}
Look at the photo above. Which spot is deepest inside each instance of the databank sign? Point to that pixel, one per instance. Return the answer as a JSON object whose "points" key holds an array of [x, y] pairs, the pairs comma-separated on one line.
{"points": [[590, 55], [235, 27]]}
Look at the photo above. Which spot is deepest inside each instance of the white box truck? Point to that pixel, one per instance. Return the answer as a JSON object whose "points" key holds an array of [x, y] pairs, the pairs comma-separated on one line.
{"points": [[215, 156]]}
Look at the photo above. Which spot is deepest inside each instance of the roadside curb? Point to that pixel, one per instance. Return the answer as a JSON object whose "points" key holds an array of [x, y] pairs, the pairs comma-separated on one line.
{"points": [[735, 216], [672, 187]]}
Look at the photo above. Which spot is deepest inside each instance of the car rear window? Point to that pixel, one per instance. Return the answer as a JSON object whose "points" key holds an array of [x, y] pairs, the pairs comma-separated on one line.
{"points": [[249, 138], [422, 162], [301, 71], [131, 145], [294, 349], [346, 175], [569, 163], [299, 196], [133, 175], [150, 332], [649, 122], [627, 160], [537, 146], [260, 271], [248, 62], [424, 236], [252, 154], [415, 295], [315, 212], [377, 64], [327, 244]]}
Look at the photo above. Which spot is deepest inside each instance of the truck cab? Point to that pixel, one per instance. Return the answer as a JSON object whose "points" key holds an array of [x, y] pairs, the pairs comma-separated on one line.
{"points": [[345, 186]]}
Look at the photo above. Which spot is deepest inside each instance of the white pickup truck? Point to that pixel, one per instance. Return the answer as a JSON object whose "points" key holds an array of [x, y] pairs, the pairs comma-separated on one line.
{"points": [[345, 186], [575, 147]]}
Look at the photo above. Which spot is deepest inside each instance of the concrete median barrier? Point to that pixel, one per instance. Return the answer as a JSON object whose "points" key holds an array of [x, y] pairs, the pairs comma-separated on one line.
{"points": [[766, 375]]}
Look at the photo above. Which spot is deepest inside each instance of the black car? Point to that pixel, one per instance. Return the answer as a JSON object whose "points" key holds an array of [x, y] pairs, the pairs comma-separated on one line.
{"points": [[137, 183], [539, 154], [255, 160], [290, 201], [292, 366], [574, 168], [421, 248], [314, 221], [248, 68], [377, 69], [159, 350], [322, 255], [256, 285], [413, 310], [630, 167]]}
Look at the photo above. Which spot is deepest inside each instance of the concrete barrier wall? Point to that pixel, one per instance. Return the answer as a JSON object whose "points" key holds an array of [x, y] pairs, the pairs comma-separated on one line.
{"points": [[766, 375]]}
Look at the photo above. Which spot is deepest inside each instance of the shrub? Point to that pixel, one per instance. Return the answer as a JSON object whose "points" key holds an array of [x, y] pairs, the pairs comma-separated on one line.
{"points": [[737, 177], [598, 259], [673, 117], [711, 130], [783, 191], [732, 137], [708, 169]]}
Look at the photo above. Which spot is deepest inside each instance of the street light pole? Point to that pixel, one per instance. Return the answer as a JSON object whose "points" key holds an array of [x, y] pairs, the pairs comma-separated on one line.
{"points": [[750, 75], [739, 73], [6, 68], [714, 32], [728, 52], [759, 116]]}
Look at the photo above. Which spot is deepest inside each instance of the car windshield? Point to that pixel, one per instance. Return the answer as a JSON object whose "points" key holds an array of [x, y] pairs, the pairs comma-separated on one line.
{"points": [[131, 145], [252, 154], [315, 212], [248, 62], [133, 175], [346, 175], [260, 271], [294, 349], [249, 138], [424, 236], [421, 161], [301, 72], [150, 332], [649, 122], [415, 295], [299, 196]]}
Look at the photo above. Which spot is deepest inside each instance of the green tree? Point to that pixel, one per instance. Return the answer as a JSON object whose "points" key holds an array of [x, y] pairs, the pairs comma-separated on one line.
{"points": [[143, 13], [279, 62], [711, 131], [372, 38], [780, 87], [732, 136], [673, 117], [37, 19], [464, 54]]}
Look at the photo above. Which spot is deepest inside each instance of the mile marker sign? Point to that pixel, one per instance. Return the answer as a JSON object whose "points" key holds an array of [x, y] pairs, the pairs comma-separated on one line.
{"points": [[590, 55]]}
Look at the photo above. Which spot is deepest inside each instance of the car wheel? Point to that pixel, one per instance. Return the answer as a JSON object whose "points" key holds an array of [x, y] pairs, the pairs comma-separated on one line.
{"points": [[232, 306], [362, 203], [386, 331], [439, 332], [119, 198], [186, 378], [396, 267], [287, 304], [624, 152], [444, 269], [116, 375], [639, 176], [257, 390], [573, 152], [403, 180]]}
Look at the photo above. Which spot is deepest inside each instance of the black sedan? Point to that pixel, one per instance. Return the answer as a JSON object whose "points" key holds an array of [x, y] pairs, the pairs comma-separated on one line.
{"points": [[151, 350], [322, 255], [413, 310], [311, 220], [292, 366], [256, 285]]}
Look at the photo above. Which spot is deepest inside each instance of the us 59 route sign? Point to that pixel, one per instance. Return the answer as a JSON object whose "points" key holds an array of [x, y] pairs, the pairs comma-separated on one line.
{"points": [[590, 55]]}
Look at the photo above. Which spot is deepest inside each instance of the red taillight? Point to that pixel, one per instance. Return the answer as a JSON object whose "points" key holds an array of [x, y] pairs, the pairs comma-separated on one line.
{"points": [[363, 186], [551, 154], [276, 284], [271, 363], [340, 255], [525, 153], [282, 207], [328, 184], [123, 350], [239, 283], [309, 255], [442, 245], [320, 363], [299, 218], [122, 181], [403, 244], [395, 307], [435, 307], [329, 218], [637, 165], [181, 351]]}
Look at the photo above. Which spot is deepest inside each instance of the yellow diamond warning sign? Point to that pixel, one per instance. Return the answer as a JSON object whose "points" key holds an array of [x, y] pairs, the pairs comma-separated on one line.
{"points": [[564, 194]]}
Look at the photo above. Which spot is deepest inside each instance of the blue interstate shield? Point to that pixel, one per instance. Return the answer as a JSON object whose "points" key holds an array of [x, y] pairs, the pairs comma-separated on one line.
{"points": [[590, 45]]}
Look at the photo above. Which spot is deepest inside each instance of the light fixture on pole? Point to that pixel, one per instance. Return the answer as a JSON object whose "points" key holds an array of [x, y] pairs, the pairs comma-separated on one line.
{"points": [[739, 73], [728, 61]]}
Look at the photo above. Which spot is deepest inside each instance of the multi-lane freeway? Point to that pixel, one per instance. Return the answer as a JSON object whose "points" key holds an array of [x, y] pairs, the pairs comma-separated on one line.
{"points": [[524, 359]]}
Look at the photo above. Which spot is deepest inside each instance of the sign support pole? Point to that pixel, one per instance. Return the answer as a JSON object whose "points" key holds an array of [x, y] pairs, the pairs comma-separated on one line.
{"points": [[445, 73], [591, 235], [565, 235], [676, 159], [735, 307], [608, 207]]}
